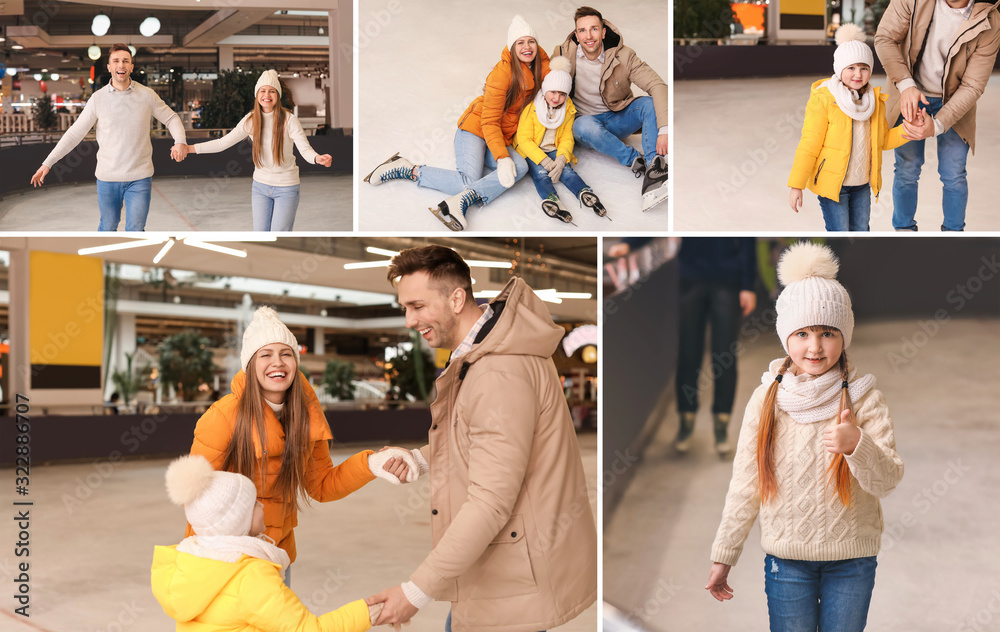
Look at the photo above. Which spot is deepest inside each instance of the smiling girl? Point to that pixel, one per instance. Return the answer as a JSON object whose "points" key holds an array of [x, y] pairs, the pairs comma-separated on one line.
{"points": [[272, 129], [815, 454], [272, 430]]}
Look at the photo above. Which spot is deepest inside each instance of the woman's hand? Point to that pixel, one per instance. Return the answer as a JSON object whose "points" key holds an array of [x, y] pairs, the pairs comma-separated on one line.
{"points": [[795, 199], [39, 178], [717, 582], [325, 159]]}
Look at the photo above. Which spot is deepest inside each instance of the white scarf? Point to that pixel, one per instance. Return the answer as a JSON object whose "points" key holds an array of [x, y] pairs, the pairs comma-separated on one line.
{"points": [[846, 99], [548, 117], [812, 400], [230, 548]]}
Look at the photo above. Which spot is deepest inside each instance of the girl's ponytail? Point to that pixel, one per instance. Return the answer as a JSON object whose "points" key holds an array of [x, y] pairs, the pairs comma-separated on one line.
{"points": [[840, 473], [765, 437]]}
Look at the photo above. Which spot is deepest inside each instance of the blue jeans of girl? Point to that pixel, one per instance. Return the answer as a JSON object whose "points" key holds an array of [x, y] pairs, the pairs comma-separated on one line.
{"points": [[273, 207], [544, 185], [472, 156], [851, 211], [824, 596]]}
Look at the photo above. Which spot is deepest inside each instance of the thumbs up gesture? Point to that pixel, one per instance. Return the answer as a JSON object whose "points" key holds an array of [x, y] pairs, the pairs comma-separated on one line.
{"points": [[842, 437]]}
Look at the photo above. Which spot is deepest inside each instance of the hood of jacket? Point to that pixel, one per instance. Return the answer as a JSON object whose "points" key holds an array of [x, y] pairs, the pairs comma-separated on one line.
{"points": [[186, 585], [521, 325]]}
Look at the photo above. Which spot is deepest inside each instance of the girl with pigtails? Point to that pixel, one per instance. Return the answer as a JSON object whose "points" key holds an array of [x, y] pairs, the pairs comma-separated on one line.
{"points": [[816, 452]]}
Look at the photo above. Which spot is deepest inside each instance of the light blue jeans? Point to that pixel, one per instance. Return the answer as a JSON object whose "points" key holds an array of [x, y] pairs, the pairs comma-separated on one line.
{"points": [[851, 211], [952, 153], [471, 156], [604, 132], [134, 195], [274, 207], [544, 185], [825, 596]]}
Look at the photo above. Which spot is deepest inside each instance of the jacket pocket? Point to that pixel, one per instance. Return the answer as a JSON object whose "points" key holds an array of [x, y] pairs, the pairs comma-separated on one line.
{"points": [[819, 171], [504, 569]]}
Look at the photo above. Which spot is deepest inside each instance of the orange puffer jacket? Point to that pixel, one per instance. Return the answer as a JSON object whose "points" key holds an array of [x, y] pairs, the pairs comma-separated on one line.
{"points": [[323, 481], [486, 118]]}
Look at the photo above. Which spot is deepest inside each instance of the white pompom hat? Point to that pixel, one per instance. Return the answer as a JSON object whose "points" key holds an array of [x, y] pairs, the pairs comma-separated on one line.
{"points": [[215, 503], [558, 79], [812, 294], [519, 28], [268, 78], [852, 48], [266, 328]]}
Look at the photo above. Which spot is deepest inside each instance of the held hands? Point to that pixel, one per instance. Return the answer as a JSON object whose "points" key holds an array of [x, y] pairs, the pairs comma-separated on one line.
{"points": [[179, 151], [325, 159], [843, 437], [795, 199], [909, 103], [718, 583], [921, 127], [396, 608], [557, 168], [39, 178], [395, 465]]}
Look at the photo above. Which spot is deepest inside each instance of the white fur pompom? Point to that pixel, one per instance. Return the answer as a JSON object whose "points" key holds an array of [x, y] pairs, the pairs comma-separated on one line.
{"points": [[806, 259], [188, 477], [559, 63], [849, 32]]}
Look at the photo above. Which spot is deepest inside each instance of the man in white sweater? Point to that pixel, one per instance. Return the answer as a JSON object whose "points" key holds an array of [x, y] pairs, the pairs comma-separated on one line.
{"points": [[938, 56], [604, 70], [122, 112]]}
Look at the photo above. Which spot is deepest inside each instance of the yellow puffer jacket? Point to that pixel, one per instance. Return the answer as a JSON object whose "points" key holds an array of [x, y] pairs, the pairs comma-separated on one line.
{"points": [[821, 158], [530, 132], [206, 595]]}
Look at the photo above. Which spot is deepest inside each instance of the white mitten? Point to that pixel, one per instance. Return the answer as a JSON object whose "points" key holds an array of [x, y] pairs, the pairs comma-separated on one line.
{"points": [[422, 466], [507, 172], [377, 461]]}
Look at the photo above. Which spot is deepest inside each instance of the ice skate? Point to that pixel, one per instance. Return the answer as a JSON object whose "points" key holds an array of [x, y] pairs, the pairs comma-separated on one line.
{"points": [[591, 201], [449, 210], [552, 207], [638, 166], [395, 168], [654, 183]]}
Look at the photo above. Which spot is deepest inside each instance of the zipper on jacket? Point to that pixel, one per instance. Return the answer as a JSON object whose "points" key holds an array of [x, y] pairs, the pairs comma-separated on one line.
{"points": [[816, 179], [923, 44], [947, 61]]}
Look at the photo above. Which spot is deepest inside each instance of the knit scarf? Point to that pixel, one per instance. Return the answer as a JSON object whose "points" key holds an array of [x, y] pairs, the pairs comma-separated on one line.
{"points": [[230, 548], [846, 98], [816, 399], [548, 117]]}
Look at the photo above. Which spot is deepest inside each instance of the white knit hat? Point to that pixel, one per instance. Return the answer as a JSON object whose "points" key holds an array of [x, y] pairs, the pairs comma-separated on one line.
{"points": [[519, 28], [558, 79], [268, 78], [215, 503], [852, 48], [812, 295], [265, 329]]}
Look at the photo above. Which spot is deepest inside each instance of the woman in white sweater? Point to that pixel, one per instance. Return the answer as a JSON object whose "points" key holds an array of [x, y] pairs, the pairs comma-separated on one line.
{"points": [[815, 454], [272, 129]]}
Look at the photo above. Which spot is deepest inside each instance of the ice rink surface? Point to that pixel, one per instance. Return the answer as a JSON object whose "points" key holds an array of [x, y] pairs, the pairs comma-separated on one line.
{"points": [[735, 145], [937, 570], [422, 62]]}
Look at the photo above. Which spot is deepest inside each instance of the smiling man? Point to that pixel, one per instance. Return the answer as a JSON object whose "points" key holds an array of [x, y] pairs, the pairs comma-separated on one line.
{"points": [[514, 540], [604, 70], [122, 111]]}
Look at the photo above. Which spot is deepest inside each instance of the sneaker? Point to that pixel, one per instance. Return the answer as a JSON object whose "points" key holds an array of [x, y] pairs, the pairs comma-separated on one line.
{"points": [[395, 168], [722, 445], [654, 184]]}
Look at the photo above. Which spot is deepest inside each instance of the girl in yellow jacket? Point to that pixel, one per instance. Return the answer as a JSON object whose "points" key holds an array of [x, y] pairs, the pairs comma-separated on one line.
{"points": [[228, 575], [272, 430], [545, 137], [843, 136]]}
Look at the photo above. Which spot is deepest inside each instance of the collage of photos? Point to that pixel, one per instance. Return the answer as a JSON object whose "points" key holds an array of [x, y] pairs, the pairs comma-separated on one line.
{"points": [[286, 395]]}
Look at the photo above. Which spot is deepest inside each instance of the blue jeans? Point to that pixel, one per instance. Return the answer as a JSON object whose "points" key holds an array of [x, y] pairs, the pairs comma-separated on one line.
{"points": [[544, 185], [851, 211], [604, 132], [274, 207], [471, 156], [952, 153], [828, 596], [134, 195], [447, 623]]}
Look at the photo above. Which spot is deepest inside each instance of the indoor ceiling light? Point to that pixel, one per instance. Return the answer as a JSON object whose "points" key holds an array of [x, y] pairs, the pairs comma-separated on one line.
{"points": [[381, 251], [11, 72], [94, 52], [100, 25], [17, 47], [37, 76], [139, 243], [149, 27], [131, 49], [55, 76], [163, 251]]}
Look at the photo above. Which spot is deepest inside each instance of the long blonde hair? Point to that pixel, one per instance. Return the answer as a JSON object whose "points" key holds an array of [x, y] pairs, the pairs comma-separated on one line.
{"points": [[839, 474], [240, 455], [255, 127]]}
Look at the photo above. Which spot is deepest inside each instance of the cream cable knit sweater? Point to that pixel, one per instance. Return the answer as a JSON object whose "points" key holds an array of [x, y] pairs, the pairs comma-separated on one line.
{"points": [[805, 520]]}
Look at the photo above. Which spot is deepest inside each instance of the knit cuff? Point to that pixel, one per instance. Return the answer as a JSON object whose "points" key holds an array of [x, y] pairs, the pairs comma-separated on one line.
{"points": [[726, 555], [864, 453], [906, 83], [422, 465], [415, 596], [661, 131], [938, 127]]}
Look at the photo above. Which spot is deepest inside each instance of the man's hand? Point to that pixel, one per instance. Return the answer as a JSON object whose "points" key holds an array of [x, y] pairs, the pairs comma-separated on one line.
{"points": [[662, 144], [325, 159], [910, 102], [39, 178], [179, 151], [748, 302], [396, 607]]}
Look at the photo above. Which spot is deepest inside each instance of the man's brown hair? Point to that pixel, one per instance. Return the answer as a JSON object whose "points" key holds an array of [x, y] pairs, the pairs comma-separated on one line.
{"points": [[118, 47], [444, 266], [583, 12]]}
